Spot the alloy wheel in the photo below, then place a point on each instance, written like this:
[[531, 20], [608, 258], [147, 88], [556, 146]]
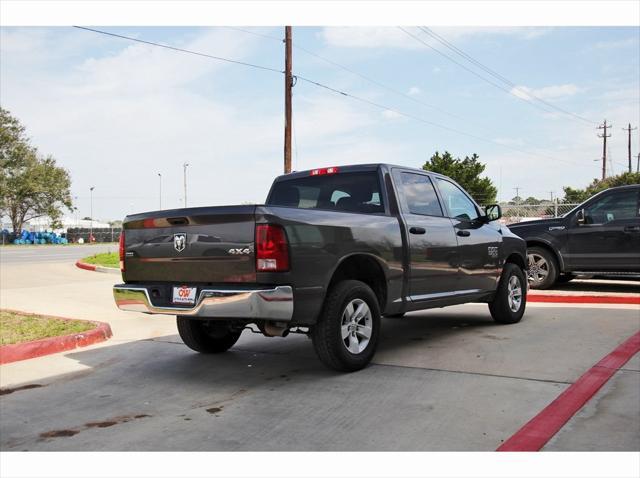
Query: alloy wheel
[[356, 326]]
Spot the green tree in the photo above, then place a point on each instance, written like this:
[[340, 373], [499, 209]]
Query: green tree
[[574, 196], [532, 201], [465, 172], [31, 185]]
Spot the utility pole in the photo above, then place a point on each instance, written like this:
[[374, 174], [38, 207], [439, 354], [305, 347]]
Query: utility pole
[[91, 213], [638, 164], [288, 83], [184, 167], [551, 192], [629, 129], [517, 188], [604, 136], [160, 180]]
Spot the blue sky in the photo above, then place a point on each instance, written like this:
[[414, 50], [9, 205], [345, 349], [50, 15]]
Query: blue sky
[[115, 113]]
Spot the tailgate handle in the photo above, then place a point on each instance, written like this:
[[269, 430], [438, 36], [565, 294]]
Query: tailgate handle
[[177, 221]]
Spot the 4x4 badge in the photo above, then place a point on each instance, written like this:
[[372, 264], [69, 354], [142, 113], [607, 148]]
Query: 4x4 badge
[[179, 241]]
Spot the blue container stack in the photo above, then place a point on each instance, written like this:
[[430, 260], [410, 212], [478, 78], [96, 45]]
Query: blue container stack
[[26, 237]]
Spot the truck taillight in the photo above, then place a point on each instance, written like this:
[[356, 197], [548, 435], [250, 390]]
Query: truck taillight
[[272, 249], [323, 171], [121, 250]]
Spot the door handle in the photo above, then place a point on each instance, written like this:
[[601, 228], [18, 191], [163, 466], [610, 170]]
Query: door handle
[[463, 233], [632, 229], [417, 230]]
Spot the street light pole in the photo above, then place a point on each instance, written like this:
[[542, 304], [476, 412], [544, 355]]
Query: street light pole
[[91, 213], [184, 166], [160, 179]]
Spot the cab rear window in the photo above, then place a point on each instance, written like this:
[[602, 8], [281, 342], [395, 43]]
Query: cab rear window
[[348, 192]]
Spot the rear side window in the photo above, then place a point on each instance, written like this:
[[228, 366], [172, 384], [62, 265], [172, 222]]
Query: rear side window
[[420, 195], [350, 192]]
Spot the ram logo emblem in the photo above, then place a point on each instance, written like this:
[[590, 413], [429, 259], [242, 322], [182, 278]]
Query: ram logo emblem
[[179, 241]]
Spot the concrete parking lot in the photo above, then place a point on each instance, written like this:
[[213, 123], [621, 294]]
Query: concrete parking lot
[[447, 379]]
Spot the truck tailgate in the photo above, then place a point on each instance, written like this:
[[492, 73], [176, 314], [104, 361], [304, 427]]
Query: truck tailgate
[[195, 245]]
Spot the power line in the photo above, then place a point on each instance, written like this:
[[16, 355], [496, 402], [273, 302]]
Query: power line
[[497, 75], [364, 77], [422, 120], [475, 73], [182, 50], [329, 88]]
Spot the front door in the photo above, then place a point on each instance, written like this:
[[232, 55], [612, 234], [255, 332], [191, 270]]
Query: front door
[[479, 242], [609, 237], [433, 249]]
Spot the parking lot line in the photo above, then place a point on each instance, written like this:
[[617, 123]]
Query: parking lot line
[[541, 428]]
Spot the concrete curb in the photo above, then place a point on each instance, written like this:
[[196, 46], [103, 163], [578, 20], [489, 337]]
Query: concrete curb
[[584, 299], [95, 268], [50, 345]]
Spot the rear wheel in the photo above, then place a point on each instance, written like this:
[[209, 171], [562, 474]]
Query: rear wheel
[[509, 303], [207, 336], [346, 335], [542, 268]]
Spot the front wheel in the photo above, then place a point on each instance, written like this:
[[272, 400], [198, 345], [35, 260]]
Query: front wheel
[[510, 300], [207, 336], [542, 268], [346, 335]]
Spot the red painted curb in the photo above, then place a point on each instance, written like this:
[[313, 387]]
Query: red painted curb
[[84, 265], [584, 299], [37, 348], [541, 428]]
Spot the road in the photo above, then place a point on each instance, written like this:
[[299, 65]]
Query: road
[[447, 379], [51, 253]]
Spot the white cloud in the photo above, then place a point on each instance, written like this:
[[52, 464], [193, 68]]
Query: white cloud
[[414, 91], [390, 114], [613, 44], [369, 37], [552, 92]]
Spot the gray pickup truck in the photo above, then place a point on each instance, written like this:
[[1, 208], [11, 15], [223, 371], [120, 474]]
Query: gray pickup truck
[[330, 252]]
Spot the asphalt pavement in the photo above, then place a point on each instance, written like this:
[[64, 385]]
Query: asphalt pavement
[[445, 379], [51, 253]]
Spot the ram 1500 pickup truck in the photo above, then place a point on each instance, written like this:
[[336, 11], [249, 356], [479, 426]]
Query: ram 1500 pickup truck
[[330, 252]]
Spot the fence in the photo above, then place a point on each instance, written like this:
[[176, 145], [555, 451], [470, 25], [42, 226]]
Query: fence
[[102, 234], [521, 212]]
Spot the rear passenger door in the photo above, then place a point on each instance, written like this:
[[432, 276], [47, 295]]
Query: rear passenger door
[[433, 268], [478, 242]]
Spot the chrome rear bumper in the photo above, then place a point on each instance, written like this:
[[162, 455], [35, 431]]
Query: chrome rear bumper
[[266, 304]]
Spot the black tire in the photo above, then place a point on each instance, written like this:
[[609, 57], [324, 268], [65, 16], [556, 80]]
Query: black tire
[[207, 336], [327, 333], [501, 307], [564, 278], [546, 261]]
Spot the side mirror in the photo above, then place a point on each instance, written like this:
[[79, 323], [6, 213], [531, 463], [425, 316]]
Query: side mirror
[[580, 217], [493, 212]]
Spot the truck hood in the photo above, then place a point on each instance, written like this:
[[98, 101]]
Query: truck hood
[[555, 221]]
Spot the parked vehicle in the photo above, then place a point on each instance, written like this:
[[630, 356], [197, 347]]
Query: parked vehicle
[[599, 237], [331, 251]]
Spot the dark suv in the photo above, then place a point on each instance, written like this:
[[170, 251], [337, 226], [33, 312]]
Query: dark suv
[[599, 237]]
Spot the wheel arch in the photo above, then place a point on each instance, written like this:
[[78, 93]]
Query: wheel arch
[[366, 268], [545, 245], [517, 259]]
